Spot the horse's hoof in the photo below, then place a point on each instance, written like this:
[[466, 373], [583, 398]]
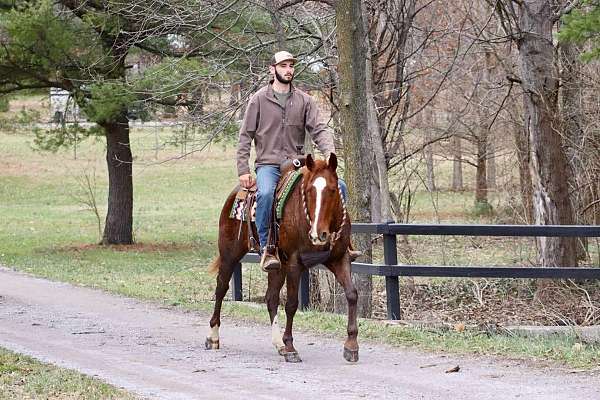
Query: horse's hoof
[[292, 357], [350, 355], [211, 344], [281, 350]]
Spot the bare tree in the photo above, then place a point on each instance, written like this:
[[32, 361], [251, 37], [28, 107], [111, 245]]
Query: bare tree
[[351, 38], [457, 175], [573, 126], [531, 25]]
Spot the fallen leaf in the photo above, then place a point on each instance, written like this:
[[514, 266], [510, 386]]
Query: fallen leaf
[[454, 369]]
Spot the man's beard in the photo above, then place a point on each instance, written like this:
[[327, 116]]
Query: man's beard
[[282, 79]]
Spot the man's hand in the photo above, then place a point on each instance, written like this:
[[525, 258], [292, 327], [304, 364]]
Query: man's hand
[[247, 181]]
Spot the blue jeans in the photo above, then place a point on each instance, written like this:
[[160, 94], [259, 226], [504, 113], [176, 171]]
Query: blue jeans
[[267, 177]]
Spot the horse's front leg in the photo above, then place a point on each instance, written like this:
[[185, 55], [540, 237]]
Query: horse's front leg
[[275, 282], [341, 270], [291, 306], [225, 270]]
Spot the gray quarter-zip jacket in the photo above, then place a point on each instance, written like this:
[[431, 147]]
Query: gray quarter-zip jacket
[[278, 133]]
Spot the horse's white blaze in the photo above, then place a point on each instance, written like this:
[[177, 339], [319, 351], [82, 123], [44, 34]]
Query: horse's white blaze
[[319, 185], [214, 333], [276, 337]]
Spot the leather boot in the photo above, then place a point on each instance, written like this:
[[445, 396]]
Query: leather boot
[[269, 260]]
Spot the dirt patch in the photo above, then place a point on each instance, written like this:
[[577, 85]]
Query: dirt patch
[[12, 168], [133, 248], [33, 167]]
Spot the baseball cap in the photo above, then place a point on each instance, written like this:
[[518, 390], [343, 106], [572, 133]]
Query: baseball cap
[[281, 56]]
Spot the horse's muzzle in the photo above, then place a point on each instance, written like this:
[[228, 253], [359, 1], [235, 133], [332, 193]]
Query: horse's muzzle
[[321, 239]]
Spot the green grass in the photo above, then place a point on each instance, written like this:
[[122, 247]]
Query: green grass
[[44, 230], [22, 377]]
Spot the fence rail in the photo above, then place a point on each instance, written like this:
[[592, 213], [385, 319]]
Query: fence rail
[[391, 270]]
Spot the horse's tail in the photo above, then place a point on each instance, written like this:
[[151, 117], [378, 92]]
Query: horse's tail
[[214, 266]]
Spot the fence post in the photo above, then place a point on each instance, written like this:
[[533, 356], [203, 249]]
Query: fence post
[[236, 282], [392, 287], [304, 290]]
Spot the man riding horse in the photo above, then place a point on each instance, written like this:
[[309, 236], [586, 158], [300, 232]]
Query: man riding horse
[[313, 224], [276, 119]]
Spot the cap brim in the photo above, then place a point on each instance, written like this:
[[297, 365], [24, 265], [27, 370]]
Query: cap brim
[[287, 59]]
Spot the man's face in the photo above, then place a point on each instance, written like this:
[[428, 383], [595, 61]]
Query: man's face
[[284, 71]]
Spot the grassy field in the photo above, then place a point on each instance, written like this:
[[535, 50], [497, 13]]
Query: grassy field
[[22, 377], [46, 230]]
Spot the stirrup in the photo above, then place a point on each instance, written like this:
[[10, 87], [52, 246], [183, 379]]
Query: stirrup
[[269, 262]]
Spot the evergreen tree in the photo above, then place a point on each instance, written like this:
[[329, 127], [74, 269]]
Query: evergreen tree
[[583, 25], [86, 48]]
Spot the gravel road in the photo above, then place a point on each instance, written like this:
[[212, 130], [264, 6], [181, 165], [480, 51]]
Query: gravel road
[[159, 353]]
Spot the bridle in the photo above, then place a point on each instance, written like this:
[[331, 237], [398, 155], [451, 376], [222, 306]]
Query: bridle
[[337, 234]]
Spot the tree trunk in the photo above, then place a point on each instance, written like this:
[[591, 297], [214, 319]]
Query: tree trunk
[[235, 96], [481, 176], [379, 186], [118, 228], [573, 125], [351, 38], [428, 151], [549, 165], [490, 159], [481, 140], [380, 202], [491, 162], [457, 175], [522, 151]]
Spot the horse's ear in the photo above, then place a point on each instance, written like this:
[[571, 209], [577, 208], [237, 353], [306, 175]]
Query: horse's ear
[[310, 163], [332, 162]]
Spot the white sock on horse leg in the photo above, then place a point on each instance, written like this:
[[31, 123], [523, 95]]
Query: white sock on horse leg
[[214, 333], [276, 337]]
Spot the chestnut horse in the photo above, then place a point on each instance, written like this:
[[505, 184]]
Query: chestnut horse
[[314, 222]]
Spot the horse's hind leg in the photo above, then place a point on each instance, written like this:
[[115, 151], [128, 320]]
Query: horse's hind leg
[[275, 282], [225, 268], [341, 270], [291, 306]]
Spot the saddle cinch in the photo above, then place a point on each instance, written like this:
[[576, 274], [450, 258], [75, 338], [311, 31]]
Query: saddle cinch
[[244, 205]]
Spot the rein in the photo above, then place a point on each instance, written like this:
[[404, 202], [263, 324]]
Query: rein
[[336, 235]]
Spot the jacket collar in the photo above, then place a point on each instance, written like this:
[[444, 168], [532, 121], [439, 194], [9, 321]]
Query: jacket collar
[[271, 92]]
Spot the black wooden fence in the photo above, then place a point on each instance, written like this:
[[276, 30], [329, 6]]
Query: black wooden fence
[[392, 270]]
